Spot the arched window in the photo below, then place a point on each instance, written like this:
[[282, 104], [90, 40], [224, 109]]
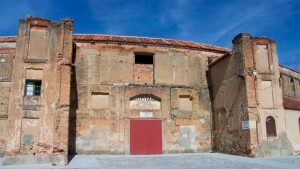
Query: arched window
[[271, 127]]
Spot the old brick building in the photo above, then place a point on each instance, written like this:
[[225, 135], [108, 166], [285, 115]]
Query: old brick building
[[65, 93]]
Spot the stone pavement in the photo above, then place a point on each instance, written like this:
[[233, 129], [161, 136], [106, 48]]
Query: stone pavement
[[172, 161]]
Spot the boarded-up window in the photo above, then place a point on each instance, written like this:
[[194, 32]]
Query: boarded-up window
[[185, 103], [266, 94], [262, 58], [271, 127], [100, 100], [30, 131]]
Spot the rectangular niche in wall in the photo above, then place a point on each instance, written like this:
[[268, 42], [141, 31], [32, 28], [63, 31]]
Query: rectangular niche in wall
[[185, 103], [30, 131], [38, 44], [266, 94], [100, 100], [143, 68], [262, 58]]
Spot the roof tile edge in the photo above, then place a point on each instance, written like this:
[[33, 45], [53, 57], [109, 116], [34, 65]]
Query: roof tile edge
[[136, 40], [147, 41], [8, 39], [289, 68]]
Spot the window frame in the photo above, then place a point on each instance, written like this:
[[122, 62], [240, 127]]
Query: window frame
[[37, 87]]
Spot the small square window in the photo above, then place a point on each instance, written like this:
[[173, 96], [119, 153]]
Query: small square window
[[33, 87]]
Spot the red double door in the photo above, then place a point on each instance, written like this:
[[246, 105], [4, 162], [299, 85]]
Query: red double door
[[145, 137]]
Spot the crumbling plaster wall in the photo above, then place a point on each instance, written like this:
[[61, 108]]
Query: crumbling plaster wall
[[229, 102], [293, 128], [37, 126], [290, 84], [269, 100], [260, 97], [7, 54], [110, 68], [263, 94]]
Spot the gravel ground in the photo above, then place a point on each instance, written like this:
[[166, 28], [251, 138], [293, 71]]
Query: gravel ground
[[172, 161]]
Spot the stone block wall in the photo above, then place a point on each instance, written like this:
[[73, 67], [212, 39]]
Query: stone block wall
[[110, 69], [227, 82]]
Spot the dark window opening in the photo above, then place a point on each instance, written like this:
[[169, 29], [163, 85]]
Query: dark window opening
[[280, 80], [143, 59], [33, 87], [299, 124], [271, 127], [292, 86]]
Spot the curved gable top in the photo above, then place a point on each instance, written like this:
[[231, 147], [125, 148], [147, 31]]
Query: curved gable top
[[131, 40]]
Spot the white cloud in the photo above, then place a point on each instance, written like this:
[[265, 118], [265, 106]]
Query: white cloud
[[250, 18]]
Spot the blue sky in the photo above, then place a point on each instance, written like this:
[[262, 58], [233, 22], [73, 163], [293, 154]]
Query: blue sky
[[205, 21]]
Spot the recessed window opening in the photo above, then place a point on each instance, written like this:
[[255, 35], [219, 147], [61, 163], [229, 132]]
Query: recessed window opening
[[292, 86], [280, 80], [185, 103], [100, 100], [143, 59], [271, 127], [33, 87]]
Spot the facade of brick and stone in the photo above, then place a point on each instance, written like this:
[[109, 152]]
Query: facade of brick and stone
[[249, 89], [88, 89]]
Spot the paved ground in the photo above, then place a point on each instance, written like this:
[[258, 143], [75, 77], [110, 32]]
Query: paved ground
[[176, 161]]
